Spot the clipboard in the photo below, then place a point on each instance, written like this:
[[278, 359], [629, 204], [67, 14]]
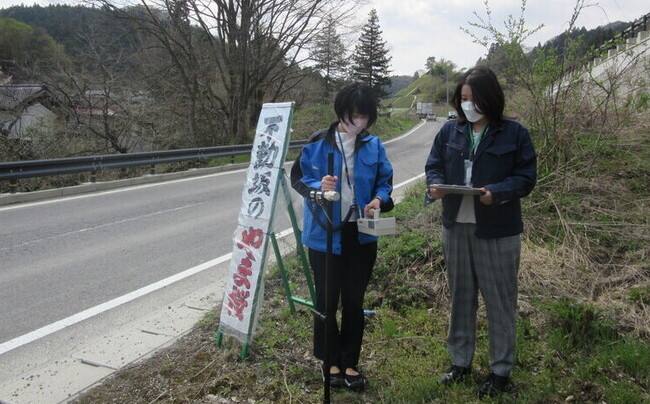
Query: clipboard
[[457, 189]]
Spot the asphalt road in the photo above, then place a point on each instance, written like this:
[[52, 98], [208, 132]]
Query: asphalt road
[[60, 257]]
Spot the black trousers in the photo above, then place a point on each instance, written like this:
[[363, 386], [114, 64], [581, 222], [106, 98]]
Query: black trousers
[[348, 281]]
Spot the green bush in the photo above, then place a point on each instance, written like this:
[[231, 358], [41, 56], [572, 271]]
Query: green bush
[[623, 393], [631, 356], [578, 325], [407, 248], [640, 295]]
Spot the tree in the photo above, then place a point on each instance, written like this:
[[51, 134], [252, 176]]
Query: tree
[[328, 53], [440, 68], [234, 54], [101, 100], [371, 59], [26, 51], [497, 60], [445, 76]]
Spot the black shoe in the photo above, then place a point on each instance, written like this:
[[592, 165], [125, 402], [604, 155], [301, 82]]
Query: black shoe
[[493, 385], [455, 374], [336, 379], [356, 383]]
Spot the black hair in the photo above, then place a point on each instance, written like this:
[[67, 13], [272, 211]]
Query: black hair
[[356, 98], [487, 93]]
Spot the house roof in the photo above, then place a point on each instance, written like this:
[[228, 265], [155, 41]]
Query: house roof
[[11, 96]]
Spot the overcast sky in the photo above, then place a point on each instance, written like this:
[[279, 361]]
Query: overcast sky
[[417, 29]]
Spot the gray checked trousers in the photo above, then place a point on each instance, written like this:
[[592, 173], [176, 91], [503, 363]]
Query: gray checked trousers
[[489, 266]]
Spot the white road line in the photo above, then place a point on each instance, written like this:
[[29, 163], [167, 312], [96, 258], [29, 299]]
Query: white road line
[[418, 126], [111, 304], [115, 191], [410, 180]]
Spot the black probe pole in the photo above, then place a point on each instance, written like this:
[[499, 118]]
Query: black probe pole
[[328, 262]]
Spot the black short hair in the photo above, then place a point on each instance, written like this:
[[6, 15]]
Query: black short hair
[[356, 98], [486, 93]]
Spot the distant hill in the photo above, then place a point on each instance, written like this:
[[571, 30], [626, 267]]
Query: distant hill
[[588, 39], [422, 88], [592, 38], [70, 25], [398, 83]]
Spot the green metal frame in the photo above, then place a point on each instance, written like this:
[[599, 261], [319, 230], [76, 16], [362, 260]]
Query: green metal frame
[[291, 299]]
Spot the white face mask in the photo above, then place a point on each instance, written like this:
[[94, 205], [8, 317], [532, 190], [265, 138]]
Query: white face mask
[[355, 127], [470, 111]]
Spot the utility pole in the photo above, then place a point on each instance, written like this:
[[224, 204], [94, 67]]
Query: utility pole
[[447, 84]]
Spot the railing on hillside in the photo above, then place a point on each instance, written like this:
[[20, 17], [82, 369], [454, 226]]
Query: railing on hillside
[[633, 35], [16, 170], [640, 24], [629, 33]]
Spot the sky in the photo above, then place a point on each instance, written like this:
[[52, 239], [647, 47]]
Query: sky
[[417, 29]]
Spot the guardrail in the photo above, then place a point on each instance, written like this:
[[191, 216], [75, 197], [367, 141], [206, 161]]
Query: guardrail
[[621, 39], [16, 170]]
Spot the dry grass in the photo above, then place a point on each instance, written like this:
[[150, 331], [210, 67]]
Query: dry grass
[[589, 228]]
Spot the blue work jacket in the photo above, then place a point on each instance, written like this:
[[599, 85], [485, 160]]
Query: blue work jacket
[[373, 177]]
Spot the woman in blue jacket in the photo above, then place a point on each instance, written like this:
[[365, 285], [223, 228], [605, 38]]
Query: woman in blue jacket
[[481, 233], [363, 177]]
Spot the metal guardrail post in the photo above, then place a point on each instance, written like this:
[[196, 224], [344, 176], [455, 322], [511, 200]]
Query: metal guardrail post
[[13, 185], [93, 176]]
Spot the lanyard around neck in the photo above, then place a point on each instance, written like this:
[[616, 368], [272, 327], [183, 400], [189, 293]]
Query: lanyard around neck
[[470, 138], [345, 161], [353, 206]]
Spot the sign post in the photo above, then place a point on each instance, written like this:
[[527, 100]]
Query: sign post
[[245, 288]]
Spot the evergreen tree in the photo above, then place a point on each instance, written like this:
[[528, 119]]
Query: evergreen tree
[[371, 59], [440, 68], [329, 54]]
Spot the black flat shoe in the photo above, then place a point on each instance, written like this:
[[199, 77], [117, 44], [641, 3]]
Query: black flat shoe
[[357, 382], [493, 386], [455, 374], [336, 379]]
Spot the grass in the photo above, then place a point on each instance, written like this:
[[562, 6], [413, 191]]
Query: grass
[[424, 89], [566, 350], [640, 295], [578, 326], [582, 330], [589, 225]]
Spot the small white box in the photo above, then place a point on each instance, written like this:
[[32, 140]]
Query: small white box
[[377, 226]]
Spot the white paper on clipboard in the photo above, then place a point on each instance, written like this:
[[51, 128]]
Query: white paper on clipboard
[[457, 189]]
